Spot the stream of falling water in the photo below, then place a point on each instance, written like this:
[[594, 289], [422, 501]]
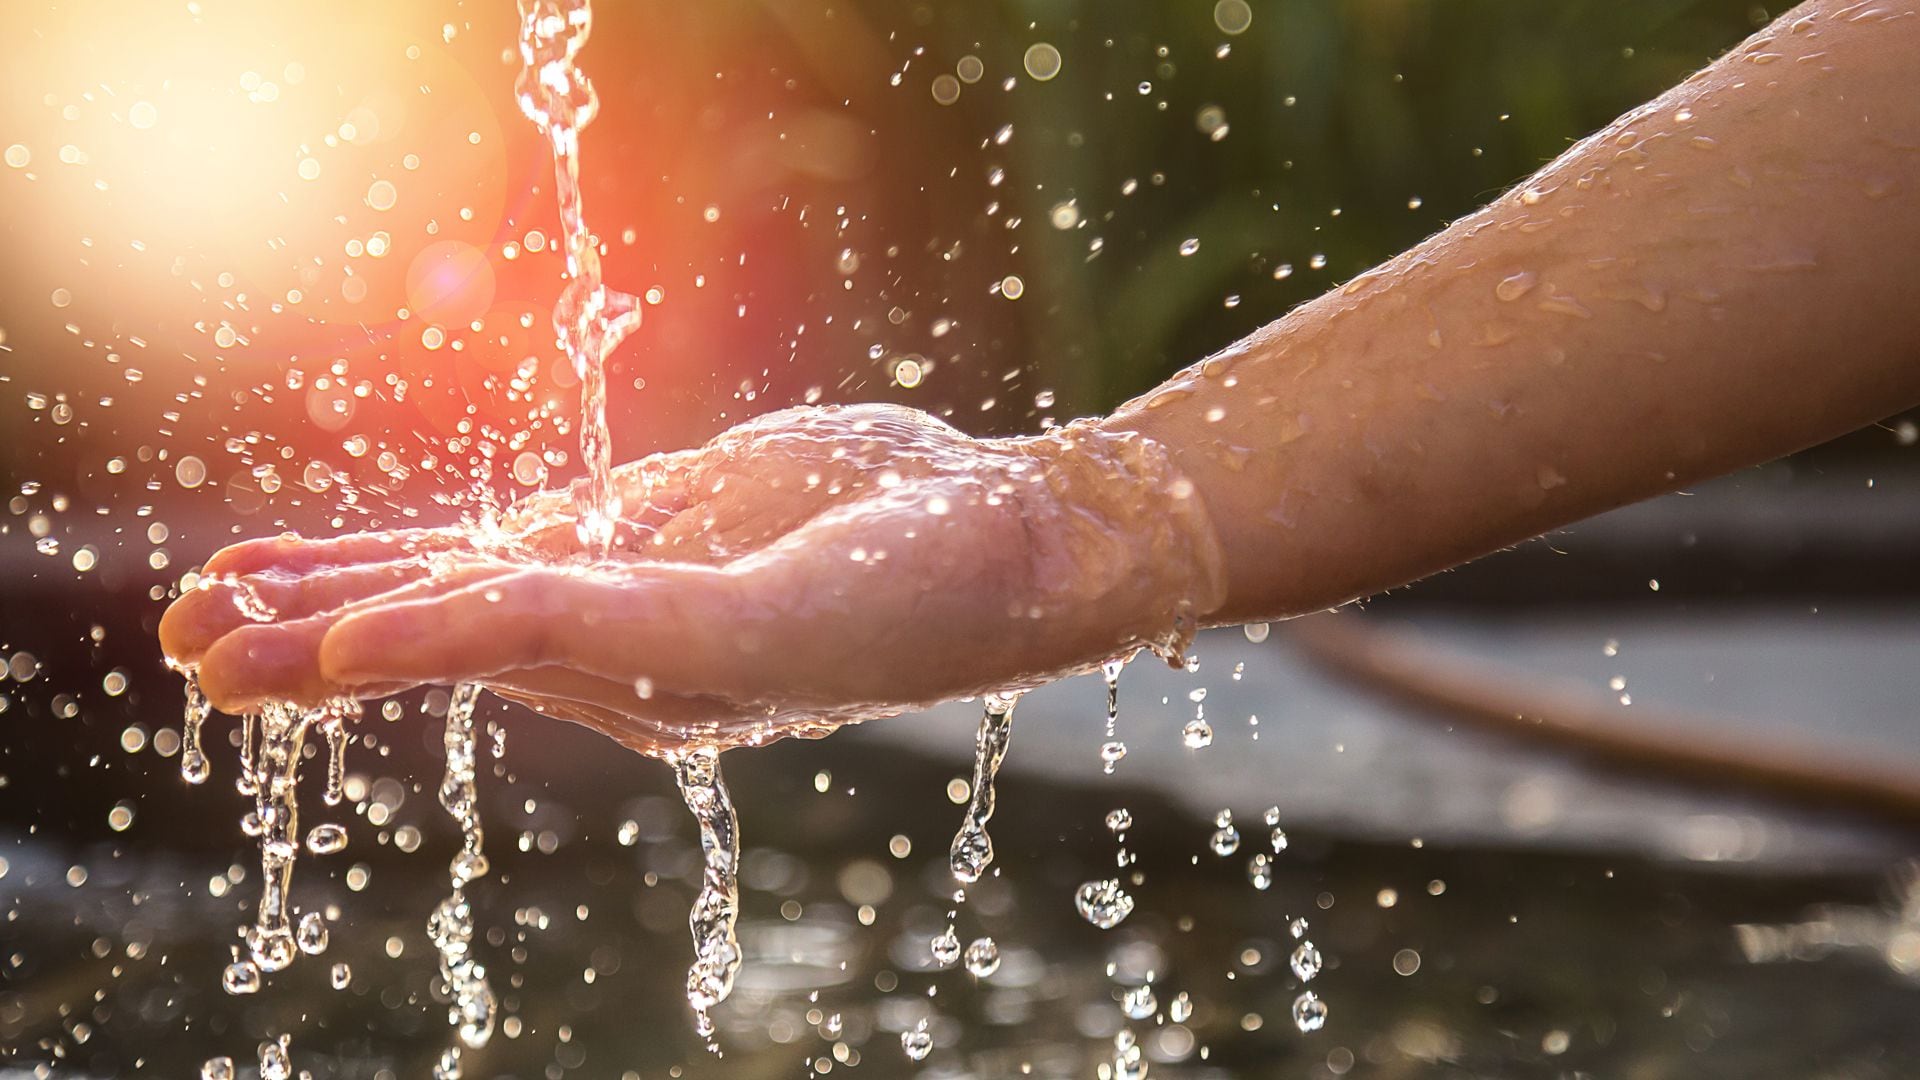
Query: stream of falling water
[[716, 951], [471, 1004], [589, 319], [972, 850]]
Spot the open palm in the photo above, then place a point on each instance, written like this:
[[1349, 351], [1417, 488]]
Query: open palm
[[807, 569]]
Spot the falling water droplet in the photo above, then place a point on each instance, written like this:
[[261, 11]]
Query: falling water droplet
[[1309, 1012], [1305, 961], [1198, 734], [1103, 903], [946, 947], [983, 957], [917, 1043], [1138, 1002]]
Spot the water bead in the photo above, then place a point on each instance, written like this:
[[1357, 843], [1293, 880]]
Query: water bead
[[1309, 1012], [1103, 903], [946, 947], [241, 977], [311, 934], [1120, 820], [1260, 871], [917, 1043], [1305, 961], [982, 957], [1180, 1008], [217, 1068], [1138, 1002], [1198, 734], [341, 975], [326, 839]]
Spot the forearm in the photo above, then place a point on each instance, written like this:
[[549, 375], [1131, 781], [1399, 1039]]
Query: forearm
[[1718, 278]]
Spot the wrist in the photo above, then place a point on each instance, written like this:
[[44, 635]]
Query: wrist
[[1133, 550]]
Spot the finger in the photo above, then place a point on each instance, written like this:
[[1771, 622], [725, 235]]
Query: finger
[[263, 662], [289, 553], [218, 606], [683, 626]]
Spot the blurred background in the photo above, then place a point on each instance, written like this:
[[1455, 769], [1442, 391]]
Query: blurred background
[[291, 266]]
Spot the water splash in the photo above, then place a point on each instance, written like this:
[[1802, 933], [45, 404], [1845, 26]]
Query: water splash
[[471, 1004], [716, 951], [972, 850], [590, 320]]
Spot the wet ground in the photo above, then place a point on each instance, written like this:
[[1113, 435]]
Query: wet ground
[[1485, 907]]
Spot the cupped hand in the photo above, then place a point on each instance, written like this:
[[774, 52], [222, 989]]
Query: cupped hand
[[807, 569]]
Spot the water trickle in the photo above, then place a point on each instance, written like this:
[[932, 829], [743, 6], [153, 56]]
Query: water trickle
[[470, 1001], [275, 821], [193, 759], [1103, 903], [1113, 750], [716, 951], [972, 850], [589, 319]]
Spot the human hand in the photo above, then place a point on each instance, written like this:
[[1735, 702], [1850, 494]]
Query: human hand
[[807, 569]]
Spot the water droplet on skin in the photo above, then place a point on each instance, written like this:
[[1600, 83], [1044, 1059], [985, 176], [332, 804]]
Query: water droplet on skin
[[1256, 632], [1305, 961], [982, 957], [1515, 287], [1138, 1002], [946, 947], [1309, 1012], [1103, 903], [917, 1043]]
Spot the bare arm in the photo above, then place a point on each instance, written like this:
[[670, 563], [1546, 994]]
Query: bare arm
[[1723, 276]]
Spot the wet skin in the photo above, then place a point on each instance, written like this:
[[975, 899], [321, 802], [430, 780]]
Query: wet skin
[[1718, 278]]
